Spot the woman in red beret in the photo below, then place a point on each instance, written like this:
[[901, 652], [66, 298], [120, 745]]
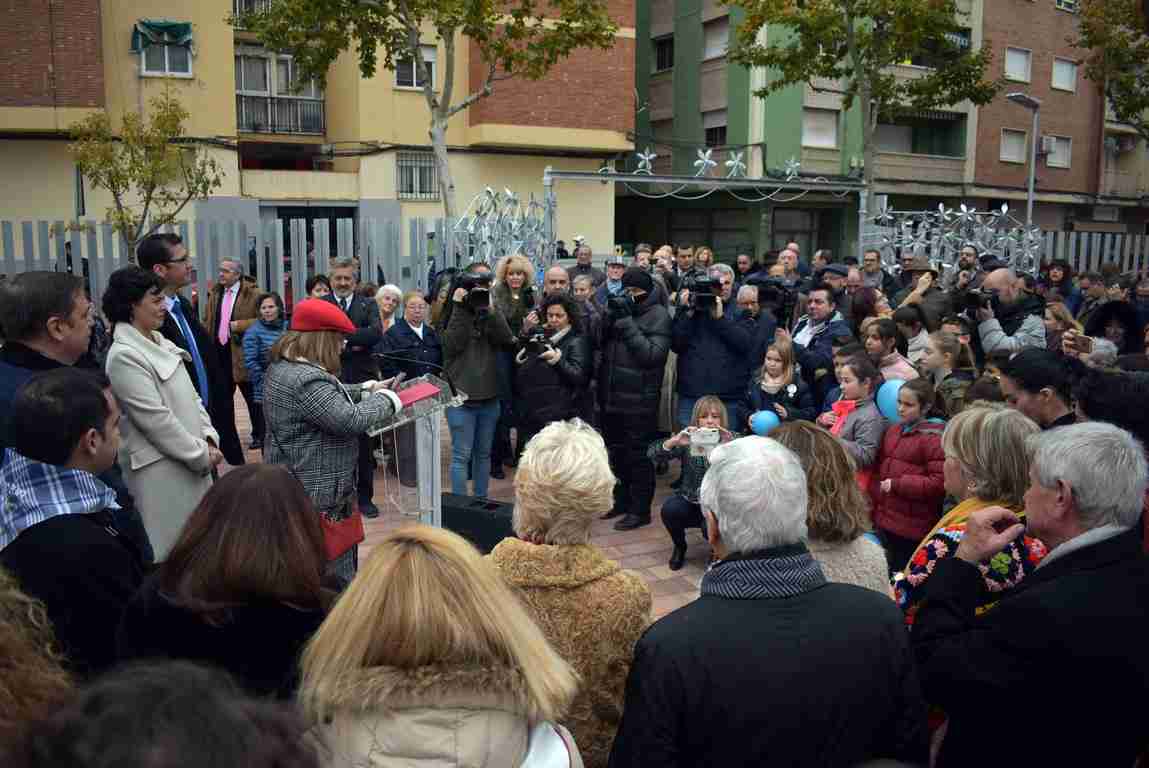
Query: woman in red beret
[[314, 422]]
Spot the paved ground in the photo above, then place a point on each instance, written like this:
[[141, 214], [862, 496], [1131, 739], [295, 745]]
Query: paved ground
[[645, 551]]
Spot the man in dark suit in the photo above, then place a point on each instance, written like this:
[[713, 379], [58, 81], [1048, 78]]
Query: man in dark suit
[[167, 256], [1070, 645], [358, 363]]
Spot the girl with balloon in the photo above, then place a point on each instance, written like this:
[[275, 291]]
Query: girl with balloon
[[692, 446], [778, 390]]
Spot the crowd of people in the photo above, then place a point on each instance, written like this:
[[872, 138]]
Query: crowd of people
[[918, 494]]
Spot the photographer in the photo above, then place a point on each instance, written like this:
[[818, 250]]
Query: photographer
[[474, 331], [554, 369], [813, 334], [1007, 317], [713, 350], [636, 341]]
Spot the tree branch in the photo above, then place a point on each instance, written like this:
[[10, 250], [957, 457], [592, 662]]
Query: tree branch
[[479, 94]]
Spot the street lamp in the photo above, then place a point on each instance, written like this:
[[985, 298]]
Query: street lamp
[[1031, 103]]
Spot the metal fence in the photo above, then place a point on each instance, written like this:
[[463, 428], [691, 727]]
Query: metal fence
[[1087, 251], [280, 255]]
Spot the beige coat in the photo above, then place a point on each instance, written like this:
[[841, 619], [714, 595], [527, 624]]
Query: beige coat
[[861, 562], [244, 313], [164, 453], [593, 613], [433, 717]]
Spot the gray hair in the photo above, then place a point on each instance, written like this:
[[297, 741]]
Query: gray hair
[[1102, 464], [238, 264], [749, 290], [756, 490], [345, 263], [724, 270], [1104, 354], [395, 291]]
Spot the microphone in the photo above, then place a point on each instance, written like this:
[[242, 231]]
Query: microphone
[[393, 356]]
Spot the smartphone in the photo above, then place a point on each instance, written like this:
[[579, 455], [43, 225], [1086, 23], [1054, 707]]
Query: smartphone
[[397, 380], [1083, 343]]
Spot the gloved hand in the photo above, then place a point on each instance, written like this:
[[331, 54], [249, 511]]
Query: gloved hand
[[619, 307]]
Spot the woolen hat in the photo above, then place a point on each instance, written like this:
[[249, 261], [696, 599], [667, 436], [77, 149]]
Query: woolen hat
[[637, 277], [320, 315]]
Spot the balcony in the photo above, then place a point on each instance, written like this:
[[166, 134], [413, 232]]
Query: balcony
[[301, 185], [1117, 183], [240, 7], [280, 114], [927, 169]]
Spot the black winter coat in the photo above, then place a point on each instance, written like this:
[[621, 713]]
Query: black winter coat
[[634, 351], [358, 363], [824, 678], [410, 354], [549, 393], [1070, 645], [84, 572], [259, 645], [713, 354], [799, 405]]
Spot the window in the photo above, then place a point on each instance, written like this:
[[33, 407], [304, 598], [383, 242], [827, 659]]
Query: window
[[1060, 153], [1064, 75], [663, 53], [714, 124], [167, 60], [407, 74], [820, 128], [251, 75], [716, 37], [1065, 5], [415, 176], [1017, 62], [895, 138], [1012, 146]]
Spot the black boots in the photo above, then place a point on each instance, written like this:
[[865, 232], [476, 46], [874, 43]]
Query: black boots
[[630, 522], [677, 557]]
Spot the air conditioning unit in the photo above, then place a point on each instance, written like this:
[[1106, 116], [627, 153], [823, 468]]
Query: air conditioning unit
[[1106, 213], [1048, 144]]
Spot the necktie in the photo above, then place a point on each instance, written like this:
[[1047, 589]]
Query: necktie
[[177, 311], [347, 305], [225, 316]]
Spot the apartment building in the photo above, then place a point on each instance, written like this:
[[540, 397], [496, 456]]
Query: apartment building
[[1093, 173], [356, 148]]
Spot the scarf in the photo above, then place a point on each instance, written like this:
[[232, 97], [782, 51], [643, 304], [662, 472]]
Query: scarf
[[613, 287], [34, 492], [771, 573]]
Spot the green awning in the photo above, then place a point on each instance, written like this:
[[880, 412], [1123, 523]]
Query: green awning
[[160, 32]]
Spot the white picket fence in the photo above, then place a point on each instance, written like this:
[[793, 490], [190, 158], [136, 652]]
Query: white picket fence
[[276, 253], [1087, 251]]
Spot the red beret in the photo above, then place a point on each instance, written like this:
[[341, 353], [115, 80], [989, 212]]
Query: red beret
[[320, 315]]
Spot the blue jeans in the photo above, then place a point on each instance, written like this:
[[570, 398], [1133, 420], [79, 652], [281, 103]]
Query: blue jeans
[[472, 432], [733, 413]]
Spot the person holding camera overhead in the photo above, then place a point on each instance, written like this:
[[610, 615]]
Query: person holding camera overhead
[[514, 295], [553, 369], [473, 332], [1007, 317], [712, 349], [635, 343]]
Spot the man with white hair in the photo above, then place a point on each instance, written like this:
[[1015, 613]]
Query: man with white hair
[[772, 665], [1014, 320], [1068, 646]]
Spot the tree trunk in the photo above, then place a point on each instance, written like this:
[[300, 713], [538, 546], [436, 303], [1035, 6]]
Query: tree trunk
[[438, 133]]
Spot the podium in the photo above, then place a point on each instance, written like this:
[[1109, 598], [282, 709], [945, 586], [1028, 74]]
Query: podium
[[424, 399]]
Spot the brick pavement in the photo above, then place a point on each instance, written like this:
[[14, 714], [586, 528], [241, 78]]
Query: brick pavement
[[645, 551]]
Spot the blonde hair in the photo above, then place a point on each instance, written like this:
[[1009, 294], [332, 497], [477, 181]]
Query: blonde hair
[[988, 440], [562, 484], [786, 352], [413, 295], [324, 348], [1063, 316], [515, 262], [949, 344], [707, 404], [709, 253], [425, 597], [836, 510]]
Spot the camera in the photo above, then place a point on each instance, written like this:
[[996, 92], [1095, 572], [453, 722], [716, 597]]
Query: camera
[[536, 343], [975, 300], [703, 440], [478, 288], [776, 294], [703, 291]]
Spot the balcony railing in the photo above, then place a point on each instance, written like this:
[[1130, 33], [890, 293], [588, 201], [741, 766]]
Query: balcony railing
[[280, 114], [240, 7], [1123, 183]]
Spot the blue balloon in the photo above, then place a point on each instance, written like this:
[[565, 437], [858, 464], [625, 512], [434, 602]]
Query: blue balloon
[[764, 422], [887, 399]]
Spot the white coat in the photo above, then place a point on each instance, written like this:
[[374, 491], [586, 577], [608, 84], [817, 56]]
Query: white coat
[[165, 432]]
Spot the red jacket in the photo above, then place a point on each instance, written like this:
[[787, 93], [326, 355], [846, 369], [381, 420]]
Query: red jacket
[[913, 459]]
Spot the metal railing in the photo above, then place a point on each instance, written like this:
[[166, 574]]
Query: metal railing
[[280, 114], [240, 7]]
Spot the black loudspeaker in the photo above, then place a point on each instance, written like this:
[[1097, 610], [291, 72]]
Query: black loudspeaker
[[480, 521]]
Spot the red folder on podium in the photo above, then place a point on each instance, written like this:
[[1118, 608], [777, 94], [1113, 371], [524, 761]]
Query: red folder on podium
[[417, 392]]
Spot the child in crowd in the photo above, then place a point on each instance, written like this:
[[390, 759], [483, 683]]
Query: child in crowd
[[682, 511], [911, 323], [910, 484], [776, 387], [855, 419], [842, 354], [946, 363], [881, 340]]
